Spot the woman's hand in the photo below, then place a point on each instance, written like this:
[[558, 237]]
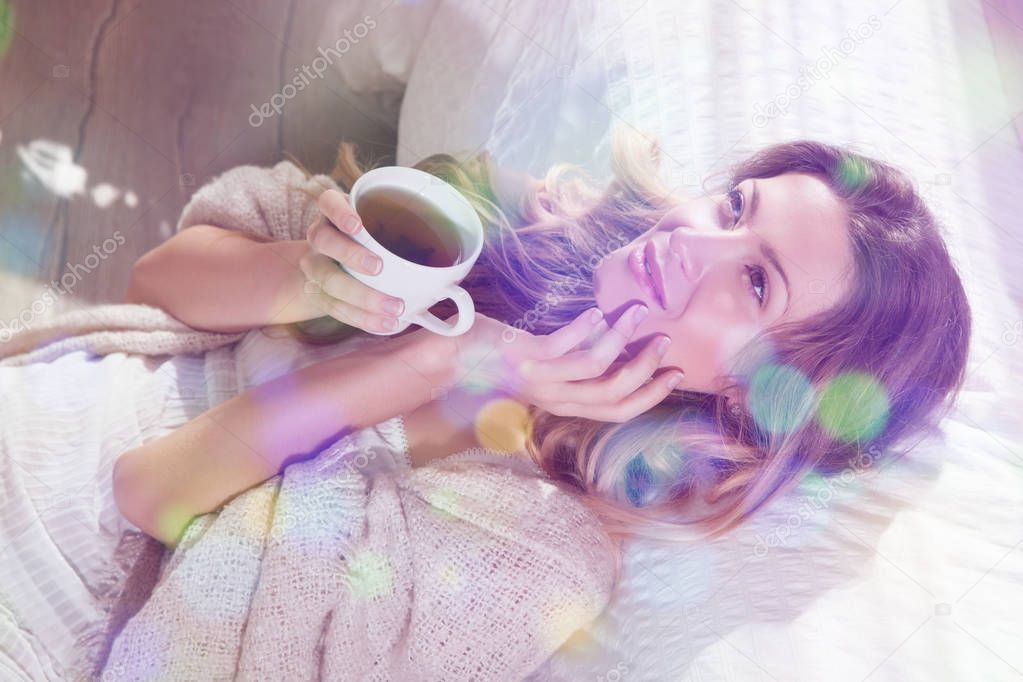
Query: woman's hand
[[336, 292], [566, 372]]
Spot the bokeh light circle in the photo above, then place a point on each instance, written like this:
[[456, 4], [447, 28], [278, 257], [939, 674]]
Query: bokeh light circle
[[172, 520], [853, 407], [6, 26], [451, 576], [639, 481], [369, 575], [445, 502], [503, 425], [780, 398], [566, 616], [852, 173]]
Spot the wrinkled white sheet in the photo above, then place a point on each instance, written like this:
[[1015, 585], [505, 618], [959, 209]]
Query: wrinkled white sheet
[[914, 574]]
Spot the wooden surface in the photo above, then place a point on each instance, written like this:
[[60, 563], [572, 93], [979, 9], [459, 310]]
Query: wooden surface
[[152, 98]]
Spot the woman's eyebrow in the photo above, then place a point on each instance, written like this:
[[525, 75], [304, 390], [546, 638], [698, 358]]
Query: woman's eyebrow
[[768, 251]]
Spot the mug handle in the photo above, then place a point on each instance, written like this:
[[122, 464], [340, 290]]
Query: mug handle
[[466, 314]]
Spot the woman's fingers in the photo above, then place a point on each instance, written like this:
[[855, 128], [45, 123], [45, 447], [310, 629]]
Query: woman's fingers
[[334, 205], [590, 362], [336, 292], [327, 239], [338, 284], [615, 386], [560, 341], [635, 404], [353, 315]]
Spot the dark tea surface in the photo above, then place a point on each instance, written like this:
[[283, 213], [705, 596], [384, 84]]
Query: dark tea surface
[[410, 228]]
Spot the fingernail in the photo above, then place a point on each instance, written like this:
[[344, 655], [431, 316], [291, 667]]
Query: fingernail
[[371, 264], [390, 324], [675, 378], [595, 315], [351, 224], [640, 313], [662, 345], [393, 306]]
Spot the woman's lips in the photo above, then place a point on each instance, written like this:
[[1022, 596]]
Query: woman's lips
[[636, 257], [656, 272]]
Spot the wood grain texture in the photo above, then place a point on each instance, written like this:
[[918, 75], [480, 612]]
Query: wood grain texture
[[152, 98]]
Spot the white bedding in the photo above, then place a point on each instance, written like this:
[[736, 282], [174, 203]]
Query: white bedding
[[913, 574]]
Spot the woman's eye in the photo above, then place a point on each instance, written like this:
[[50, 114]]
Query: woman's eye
[[758, 280], [736, 202]]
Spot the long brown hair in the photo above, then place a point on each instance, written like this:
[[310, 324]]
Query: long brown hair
[[820, 394]]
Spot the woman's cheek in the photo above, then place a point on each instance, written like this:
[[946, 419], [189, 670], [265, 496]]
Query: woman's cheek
[[693, 350], [704, 347]]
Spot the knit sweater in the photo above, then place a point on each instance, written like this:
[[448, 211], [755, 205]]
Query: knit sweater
[[469, 568]]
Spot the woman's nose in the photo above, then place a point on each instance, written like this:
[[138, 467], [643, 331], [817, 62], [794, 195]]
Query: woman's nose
[[700, 250]]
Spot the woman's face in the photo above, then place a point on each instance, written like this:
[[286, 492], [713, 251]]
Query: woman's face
[[772, 250]]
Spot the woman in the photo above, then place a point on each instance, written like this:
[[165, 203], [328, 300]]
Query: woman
[[812, 307], [855, 346]]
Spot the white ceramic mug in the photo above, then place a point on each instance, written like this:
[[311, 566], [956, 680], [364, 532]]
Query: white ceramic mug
[[421, 286]]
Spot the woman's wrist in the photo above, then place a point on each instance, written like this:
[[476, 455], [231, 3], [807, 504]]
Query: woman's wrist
[[433, 360], [255, 434], [290, 302], [432, 356]]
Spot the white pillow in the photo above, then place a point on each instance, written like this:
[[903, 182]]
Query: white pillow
[[502, 74], [536, 83], [372, 45]]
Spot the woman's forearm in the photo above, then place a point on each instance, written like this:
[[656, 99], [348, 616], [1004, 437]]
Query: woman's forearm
[[222, 280], [251, 437]]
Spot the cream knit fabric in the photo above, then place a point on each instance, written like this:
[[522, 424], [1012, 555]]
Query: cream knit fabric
[[127, 327], [462, 570]]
